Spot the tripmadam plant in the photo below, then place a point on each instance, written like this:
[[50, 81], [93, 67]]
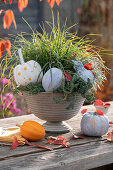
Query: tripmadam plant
[[60, 62]]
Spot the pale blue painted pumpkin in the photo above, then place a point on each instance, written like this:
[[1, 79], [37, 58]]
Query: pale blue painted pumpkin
[[52, 79], [94, 125]]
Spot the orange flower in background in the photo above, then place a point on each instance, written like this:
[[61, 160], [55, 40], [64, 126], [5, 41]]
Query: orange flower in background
[[4, 1], [79, 10], [8, 19], [2, 48], [22, 4], [58, 1], [5, 44], [1, 11], [7, 47], [10, 1], [52, 2]]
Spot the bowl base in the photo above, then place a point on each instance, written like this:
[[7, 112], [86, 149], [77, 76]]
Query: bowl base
[[57, 127]]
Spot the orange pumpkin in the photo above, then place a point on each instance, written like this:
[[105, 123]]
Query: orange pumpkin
[[32, 130]]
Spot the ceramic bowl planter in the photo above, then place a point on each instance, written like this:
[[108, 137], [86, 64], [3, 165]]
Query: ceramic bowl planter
[[45, 108]]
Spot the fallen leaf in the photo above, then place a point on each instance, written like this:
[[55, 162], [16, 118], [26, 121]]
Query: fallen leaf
[[58, 141], [43, 147], [78, 137], [110, 123], [66, 144], [61, 137], [39, 146], [14, 143], [51, 138], [107, 104], [84, 111], [99, 112], [98, 102], [110, 137]]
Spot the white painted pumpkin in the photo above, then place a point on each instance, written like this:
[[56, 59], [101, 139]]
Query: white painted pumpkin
[[27, 72], [54, 83], [94, 125]]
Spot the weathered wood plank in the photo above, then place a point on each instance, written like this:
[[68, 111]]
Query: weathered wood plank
[[77, 157], [26, 150], [5, 151]]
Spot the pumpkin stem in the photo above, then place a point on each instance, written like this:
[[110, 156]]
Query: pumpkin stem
[[95, 113], [21, 56]]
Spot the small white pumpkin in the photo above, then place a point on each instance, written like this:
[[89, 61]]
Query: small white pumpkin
[[27, 72], [52, 79], [93, 124]]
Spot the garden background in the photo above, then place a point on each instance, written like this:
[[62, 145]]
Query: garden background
[[91, 17]]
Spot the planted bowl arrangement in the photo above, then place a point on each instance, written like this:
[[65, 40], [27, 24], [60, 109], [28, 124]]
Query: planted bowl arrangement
[[56, 72]]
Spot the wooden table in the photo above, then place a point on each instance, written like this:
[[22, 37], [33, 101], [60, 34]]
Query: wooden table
[[87, 153]]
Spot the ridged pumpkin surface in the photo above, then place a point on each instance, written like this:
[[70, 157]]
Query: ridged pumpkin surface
[[32, 131], [94, 125]]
